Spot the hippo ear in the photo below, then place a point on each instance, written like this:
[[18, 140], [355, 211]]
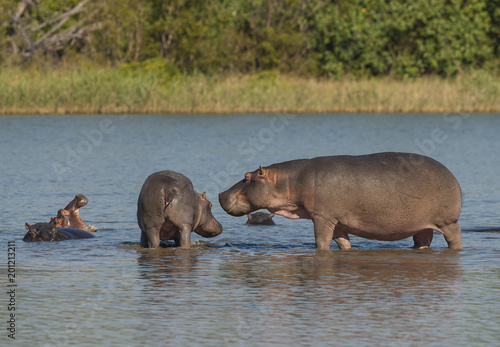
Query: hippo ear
[[250, 216], [248, 177], [57, 222], [204, 196], [32, 231], [61, 213], [261, 171]]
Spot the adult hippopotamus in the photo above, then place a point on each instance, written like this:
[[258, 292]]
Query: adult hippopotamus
[[260, 218], [169, 209], [50, 232], [67, 225], [383, 196], [70, 215]]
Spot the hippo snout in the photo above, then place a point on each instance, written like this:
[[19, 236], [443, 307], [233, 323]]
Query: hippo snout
[[229, 203], [81, 200], [218, 228], [223, 200], [213, 229]]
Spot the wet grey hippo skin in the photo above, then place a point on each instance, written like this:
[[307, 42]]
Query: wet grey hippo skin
[[50, 232], [169, 209], [67, 225], [383, 196], [260, 218]]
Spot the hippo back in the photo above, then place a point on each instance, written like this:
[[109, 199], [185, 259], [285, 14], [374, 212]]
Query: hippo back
[[72, 233]]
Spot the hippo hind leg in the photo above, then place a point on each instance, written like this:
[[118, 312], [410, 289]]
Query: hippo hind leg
[[452, 235], [341, 238], [423, 239], [144, 240], [150, 238]]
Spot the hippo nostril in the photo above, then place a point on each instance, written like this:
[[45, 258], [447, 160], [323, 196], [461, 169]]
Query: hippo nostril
[[82, 202]]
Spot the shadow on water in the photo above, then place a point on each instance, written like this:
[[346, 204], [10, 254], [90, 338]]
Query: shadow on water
[[241, 245]]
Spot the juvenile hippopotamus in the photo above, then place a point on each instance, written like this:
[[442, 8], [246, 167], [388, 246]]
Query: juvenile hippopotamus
[[50, 232], [169, 209], [260, 218], [383, 196], [67, 225]]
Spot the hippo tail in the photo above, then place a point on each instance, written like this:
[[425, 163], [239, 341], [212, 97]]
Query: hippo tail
[[168, 196]]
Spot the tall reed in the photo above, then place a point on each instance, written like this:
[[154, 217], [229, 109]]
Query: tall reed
[[112, 90]]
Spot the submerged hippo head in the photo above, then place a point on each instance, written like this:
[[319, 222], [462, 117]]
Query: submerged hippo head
[[70, 216], [260, 218], [207, 225], [258, 190], [42, 232]]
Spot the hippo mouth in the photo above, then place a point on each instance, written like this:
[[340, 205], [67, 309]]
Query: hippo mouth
[[237, 209], [237, 214], [79, 224], [213, 229], [69, 217], [234, 206]]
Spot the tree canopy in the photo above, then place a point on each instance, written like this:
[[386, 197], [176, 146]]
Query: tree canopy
[[304, 37]]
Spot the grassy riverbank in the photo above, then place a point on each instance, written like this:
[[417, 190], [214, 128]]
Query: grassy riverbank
[[118, 90]]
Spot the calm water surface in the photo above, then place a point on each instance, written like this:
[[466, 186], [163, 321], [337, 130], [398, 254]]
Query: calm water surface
[[250, 286]]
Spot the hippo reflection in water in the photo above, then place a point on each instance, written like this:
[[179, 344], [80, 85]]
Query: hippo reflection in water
[[67, 225]]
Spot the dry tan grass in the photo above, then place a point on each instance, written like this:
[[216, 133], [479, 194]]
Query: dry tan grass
[[106, 90]]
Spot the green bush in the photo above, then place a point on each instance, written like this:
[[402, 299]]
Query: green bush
[[403, 38], [303, 37]]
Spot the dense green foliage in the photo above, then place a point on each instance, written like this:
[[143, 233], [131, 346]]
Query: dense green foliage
[[304, 37]]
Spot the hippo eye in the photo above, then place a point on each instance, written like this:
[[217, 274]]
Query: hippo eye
[[247, 179], [210, 206]]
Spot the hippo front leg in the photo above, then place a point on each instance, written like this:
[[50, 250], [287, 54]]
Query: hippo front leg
[[323, 232], [452, 235]]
